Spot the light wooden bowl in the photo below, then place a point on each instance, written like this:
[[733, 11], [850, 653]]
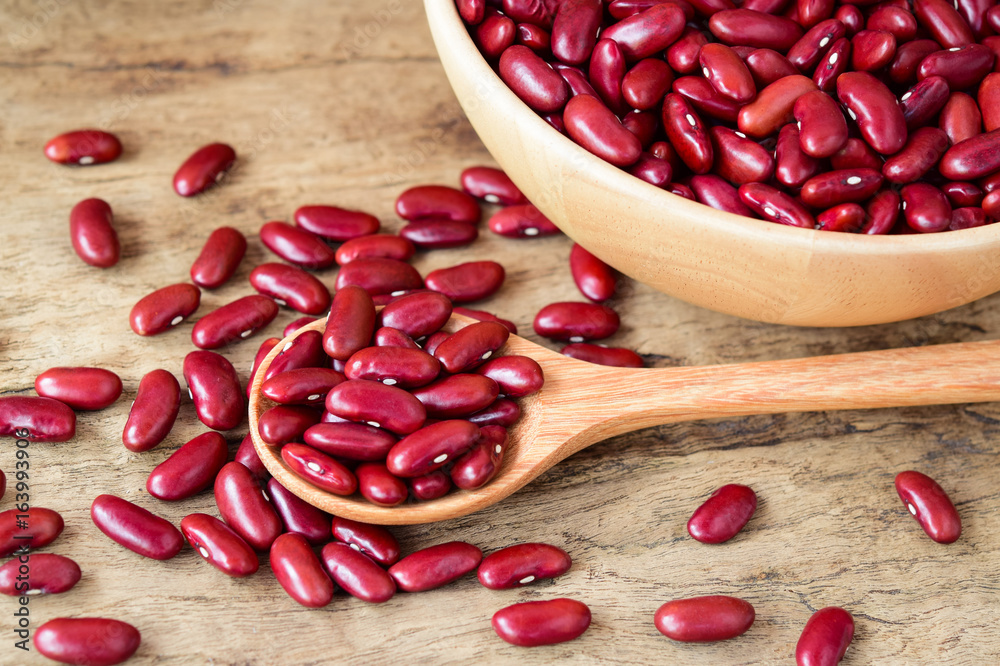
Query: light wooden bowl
[[724, 262]]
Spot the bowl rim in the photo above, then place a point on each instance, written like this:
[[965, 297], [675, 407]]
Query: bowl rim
[[451, 35]]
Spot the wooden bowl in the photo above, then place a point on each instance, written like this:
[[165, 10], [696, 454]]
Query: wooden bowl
[[724, 262]]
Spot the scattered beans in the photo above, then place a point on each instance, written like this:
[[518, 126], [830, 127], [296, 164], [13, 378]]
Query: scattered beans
[[373, 540], [41, 527], [467, 282], [190, 469], [534, 623], [245, 508], [84, 147], [491, 185], [48, 573], [576, 322], [219, 258], [94, 238], [36, 419], [206, 166], [930, 505], [336, 224], [723, 514], [704, 619], [825, 638], [80, 388], [297, 246], [164, 309], [299, 571], [136, 528], [435, 566], [93, 641], [613, 356], [437, 201], [219, 545], [358, 574], [215, 389], [516, 566], [298, 515]]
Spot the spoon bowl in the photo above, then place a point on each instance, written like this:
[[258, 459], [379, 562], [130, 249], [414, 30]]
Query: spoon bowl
[[582, 403]]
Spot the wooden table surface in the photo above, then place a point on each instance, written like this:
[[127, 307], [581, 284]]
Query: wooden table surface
[[346, 103]]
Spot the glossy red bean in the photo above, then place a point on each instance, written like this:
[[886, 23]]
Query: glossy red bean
[[304, 351], [727, 73], [576, 322], [358, 574], [379, 275], [219, 258], [851, 17], [991, 205], [94, 238], [646, 83], [825, 638], [247, 456], [477, 466], [417, 315], [494, 34], [467, 282], [925, 207], [431, 447], [83, 147], [37, 530], [881, 213], [219, 545], [648, 32], [385, 246], [533, 80], [739, 159], [521, 221], [244, 506], [350, 324], [36, 419], [491, 185], [391, 337], [430, 486], [822, 127], [203, 169], [944, 23], [578, 83], [135, 528], [470, 346], [300, 572], [297, 246], [606, 73], [807, 52], [834, 63], [909, 55], [80, 388], [930, 505], [534, 623], [682, 55], [164, 308], [534, 37], [613, 356], [875, 109], [291, 286], [713, 191], [287, 423], [480, 315], [975, 14], [687, 133], [393, 366], [93, 641], [516, 566], [215, 389], [379, 486], [757, 29], [767, 66], [457, 395], [988, 97], [896, 20], [792, 167], [437, 201], [471, 11], [723, 514], [972, 158], [922, 151], [594, 278], [963, 194], [299, 516], [922, 102], [435, 566], [856, 154], [872, 50], [190, 469], [336, 224], [595, 128], [773, 106], [436, 234], [960, 67], [353, 441], [378, 405], [502, 412], [704, 619], [529, 11], [517, 376], [307, 386], [848, 218], [38, 573], [234, 321], [776, 206], [840, 186], [374, 541]]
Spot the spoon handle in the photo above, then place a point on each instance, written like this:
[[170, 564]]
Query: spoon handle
[[633, 399]]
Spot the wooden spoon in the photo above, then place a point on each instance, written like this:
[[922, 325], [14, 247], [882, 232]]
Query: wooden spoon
[[582, 403]]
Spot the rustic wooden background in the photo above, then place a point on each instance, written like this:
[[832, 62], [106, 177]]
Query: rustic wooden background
[[346, 103]]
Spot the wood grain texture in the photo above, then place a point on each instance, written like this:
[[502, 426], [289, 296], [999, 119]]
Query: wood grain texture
[[320, 114]]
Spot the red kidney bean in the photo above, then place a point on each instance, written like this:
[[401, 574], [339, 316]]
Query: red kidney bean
[[40, 573], [136, 528], [436, 234], [992, 17], [336, 224], [773, 106], [908, 58], [738, 159], [653, 170], [377, 485], [960, 67], [234, 321], [834, 64], [533, 623], [378, 405], [374, 541], [606, 73], [988, 97], [825, 638], [576, 322], [393, 366], [472, 11], [245, 508], [516, 566], [430, 486], [595, 128], [291, 286], [594, 278], [164, 308], [83, 147], [574, 30], [578, 83], [757, 29], [776, 206], [922, 151], [851, 17], [391, 337], [431, 447], [875, 109], [378, 275], [384, 246], [93, 641], [966, 218], [153, 412], [972, 158], [963, 194], [80, 388], [247, 456], [350, 324], [533, 37], [219, 545], [219, 258], [922, 102], [469, 347], [713, 191], [215, 389], [974, 12], [643, 124], [687, 133], [190, 469], [297, 246], [39, 529], [727, 73], [533, 80], [521, 221], [204, 168], [354, 441], [613, 356], [287, 423], [307, 386], [94, 238], [704, 619], [494, 34], [477, 466], [300, 572], [881, 213], [358, 574], [930, 505], [417, 315], [36, 419], [944, 23], [767, 66], [925, 207], [437, 201], [646, 83], [682, 55], [648, 32], [848, 218], [807, 52], [517, 376], [792, 166], [856, 154], [723, 514], [529, 11], [841, 186], [872, 50], [822, 127], [491, 185], [467, 282], [479, 315], [305, 351], [435, 566], [896, 20], [299, 516], [991, 205], [457, 395], [502, 412]]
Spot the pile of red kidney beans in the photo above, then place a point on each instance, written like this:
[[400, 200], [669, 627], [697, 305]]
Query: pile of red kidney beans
[[388, 430], [858, 116]]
